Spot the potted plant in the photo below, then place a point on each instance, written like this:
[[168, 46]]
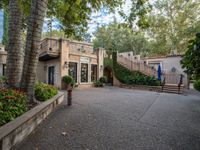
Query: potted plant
[[68, 81]]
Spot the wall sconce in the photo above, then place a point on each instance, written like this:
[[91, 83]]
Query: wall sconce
[[101, 67], [66, 64]]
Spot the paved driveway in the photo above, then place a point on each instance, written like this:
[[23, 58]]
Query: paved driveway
[[120, 119]]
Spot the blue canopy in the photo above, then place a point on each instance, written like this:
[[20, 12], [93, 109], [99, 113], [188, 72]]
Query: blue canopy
[[159, 72]]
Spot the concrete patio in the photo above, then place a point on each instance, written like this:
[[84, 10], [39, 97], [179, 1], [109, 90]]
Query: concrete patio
[[120, 119]]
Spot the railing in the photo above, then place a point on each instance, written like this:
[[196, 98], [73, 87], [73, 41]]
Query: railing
[[163, 83], [136, 66], [180, 83], [171, 78]]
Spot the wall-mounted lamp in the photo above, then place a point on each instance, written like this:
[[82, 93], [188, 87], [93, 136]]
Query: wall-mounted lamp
[[66, 64], [101, 67]]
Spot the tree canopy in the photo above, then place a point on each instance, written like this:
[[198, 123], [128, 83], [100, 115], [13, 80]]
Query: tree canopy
[[191, 59]]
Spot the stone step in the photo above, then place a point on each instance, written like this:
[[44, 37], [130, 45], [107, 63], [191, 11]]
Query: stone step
[[171, 91]]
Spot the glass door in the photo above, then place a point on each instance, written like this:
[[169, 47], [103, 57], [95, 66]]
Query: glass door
[[84, 72], [73, 70], [51, 73]]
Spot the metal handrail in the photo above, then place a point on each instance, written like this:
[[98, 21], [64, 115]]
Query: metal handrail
[[180, 83]]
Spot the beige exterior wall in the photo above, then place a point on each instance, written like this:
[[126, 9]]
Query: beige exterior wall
[[3, 56], [167, 63], [100, 62], [42, 71], [72, 51]]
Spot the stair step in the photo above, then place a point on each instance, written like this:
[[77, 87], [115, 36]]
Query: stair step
[[172, 88], [176, 92]]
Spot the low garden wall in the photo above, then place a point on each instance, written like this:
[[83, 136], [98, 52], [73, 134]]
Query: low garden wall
[[18, 129], [143, 87]]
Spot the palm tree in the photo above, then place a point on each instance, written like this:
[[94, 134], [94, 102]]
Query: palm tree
[[34, 32], [14, 47]]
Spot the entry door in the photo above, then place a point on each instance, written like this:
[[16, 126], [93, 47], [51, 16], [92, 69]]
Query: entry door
[[84, 72], [51, 75], [73, 70]]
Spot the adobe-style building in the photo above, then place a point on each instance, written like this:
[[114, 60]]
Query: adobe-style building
[[170, 65], [60, 57]]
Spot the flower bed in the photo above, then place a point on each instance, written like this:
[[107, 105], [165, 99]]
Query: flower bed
[[12, 105], [44, 91]]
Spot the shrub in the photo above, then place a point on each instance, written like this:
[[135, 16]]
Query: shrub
[[197, 85], [98, 84], [2, 81], [133, 78], [68, 80], [103, 79], [44, 91], [12, 105]]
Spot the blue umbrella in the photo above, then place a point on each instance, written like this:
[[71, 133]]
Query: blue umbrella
[[159, 72]]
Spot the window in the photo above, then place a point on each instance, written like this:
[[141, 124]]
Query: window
[[93, 73], [4, 69], [73, 70], [84, 72]]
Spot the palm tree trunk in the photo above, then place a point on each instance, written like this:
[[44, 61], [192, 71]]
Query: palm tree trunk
[[14, 47], [35, 24]]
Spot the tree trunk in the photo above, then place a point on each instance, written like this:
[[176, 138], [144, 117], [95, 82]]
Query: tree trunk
[[14, 47], [35, 24]]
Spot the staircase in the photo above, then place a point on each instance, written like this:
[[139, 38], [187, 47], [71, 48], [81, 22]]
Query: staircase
[[173, 88], [172, 83], [136, 66]]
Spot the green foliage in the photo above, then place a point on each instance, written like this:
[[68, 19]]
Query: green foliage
[[108, 62], [138, 14], [67, 79], [74, 14], [197, 85], [117, 37], [103, 79], [172, 24], [5, 27], [191, 59], [2, 81], [12, 105], [98, 83], [44, 91]]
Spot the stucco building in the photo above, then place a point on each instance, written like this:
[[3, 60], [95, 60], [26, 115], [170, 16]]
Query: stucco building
[[60, 57], [170, 65]]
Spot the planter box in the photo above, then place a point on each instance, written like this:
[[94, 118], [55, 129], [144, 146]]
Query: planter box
[[18, 129], [143, 87]]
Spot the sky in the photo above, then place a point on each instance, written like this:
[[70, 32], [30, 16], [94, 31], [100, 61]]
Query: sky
[[100, 18], [1, 25]]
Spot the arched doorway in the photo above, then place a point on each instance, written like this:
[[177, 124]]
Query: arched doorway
[[108, 72]]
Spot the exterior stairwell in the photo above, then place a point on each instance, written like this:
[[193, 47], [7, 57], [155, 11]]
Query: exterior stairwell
[[136, 66], [171, 83], [176, 88]]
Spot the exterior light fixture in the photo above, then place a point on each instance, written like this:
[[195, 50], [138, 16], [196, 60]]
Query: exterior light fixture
[[66, 64], [101, 67]]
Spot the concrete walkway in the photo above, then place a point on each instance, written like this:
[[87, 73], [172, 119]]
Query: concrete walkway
[[120, 119]]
